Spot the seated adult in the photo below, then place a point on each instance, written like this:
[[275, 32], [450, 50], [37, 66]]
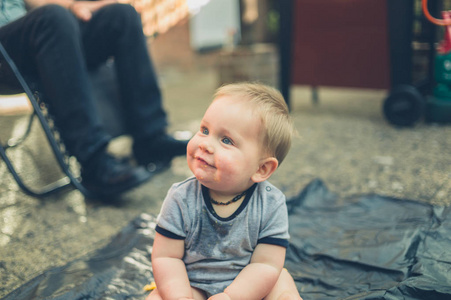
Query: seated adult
[[55, 43]]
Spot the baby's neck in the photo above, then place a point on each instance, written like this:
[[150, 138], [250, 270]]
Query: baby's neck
[[224, 197], [225, 205]]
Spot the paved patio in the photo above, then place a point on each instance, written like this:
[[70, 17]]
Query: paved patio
[[344, 140]]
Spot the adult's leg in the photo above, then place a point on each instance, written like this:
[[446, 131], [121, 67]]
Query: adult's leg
[[46, 46], [116, 31]]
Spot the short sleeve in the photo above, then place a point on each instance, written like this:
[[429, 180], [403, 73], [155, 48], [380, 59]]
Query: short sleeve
[[171, 221], [274, 228]]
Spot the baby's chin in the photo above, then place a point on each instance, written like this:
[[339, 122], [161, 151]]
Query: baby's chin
[[205, 180], [200, 175], [208, 180]]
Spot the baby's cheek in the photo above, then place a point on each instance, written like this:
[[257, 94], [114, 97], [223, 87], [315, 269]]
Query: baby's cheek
[[228, 167], [191, 147]]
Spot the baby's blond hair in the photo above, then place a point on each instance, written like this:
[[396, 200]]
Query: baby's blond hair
[[270, 105]]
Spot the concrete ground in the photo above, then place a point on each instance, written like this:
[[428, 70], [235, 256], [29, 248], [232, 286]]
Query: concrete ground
[[344, 140]]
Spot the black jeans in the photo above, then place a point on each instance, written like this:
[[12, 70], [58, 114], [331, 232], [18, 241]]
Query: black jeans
[[50, 46]]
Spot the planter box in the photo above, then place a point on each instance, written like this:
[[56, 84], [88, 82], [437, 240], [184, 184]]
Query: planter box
[[257, 63]]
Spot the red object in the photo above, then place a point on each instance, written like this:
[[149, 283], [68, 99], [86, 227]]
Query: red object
[[340, 43], [431, 18], [445, 45]]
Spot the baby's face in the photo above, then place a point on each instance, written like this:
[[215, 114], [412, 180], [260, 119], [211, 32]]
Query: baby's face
[[226, 151]]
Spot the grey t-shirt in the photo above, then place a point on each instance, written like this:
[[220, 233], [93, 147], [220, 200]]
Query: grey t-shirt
[[217, 249], [11, 10]]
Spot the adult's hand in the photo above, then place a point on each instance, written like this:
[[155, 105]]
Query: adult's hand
[[83, 10]]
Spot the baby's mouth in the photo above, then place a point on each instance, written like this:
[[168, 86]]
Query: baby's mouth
[[203, 161]]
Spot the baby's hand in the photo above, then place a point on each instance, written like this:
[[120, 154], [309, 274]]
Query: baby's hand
[[221, 296]]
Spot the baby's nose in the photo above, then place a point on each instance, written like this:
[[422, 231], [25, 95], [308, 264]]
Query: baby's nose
[[207, 147]]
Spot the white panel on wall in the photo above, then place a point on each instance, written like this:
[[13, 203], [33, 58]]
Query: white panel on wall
[[216, 24]]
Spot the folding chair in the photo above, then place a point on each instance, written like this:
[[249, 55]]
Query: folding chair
[[39, 112]]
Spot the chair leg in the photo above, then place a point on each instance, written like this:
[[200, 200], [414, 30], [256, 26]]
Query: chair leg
[[46, 190], [58, 185], [13, 142], [70, 179]]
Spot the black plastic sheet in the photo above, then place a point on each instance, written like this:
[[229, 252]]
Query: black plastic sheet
[[363, 247], [368, 247]]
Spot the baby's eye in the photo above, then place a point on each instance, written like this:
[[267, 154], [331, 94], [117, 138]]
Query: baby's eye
[[204, 130], [227, 141]]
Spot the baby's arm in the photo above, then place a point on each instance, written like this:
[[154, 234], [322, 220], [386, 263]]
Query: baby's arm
[[168, 268], [258, 278]]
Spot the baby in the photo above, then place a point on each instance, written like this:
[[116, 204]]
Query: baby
[[223, 233]]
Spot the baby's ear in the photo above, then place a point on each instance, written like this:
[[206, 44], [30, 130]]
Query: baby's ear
[[267, 167]]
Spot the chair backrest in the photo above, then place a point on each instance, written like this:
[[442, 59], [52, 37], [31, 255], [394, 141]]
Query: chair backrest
[[104, 83], [50, 132], [9, 84]]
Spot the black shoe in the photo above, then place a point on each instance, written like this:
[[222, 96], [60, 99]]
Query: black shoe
[[157, 153], [106, 176]]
